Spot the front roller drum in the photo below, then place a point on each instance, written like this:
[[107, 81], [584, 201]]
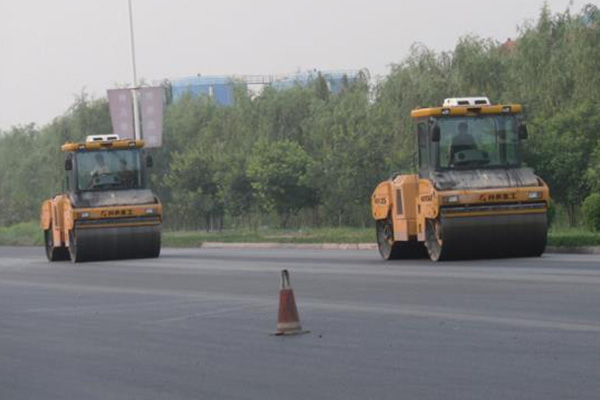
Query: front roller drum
[[96, 244], [494, 236]]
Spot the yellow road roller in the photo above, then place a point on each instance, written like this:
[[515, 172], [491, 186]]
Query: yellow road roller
[[471, 197], [107, 211]]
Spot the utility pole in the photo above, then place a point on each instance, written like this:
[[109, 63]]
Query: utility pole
[[134, 90]]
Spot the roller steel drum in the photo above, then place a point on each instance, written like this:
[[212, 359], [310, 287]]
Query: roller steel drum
[[111, 243], [469, 237]]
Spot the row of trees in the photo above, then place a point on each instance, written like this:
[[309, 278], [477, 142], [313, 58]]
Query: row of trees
[[304, 156]]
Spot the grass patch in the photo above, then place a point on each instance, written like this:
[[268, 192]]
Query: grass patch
[[573, 237], [23, 234], [308, 235], [30, 234]]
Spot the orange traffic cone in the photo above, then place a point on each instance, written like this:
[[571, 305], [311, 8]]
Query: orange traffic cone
[[288, 322]]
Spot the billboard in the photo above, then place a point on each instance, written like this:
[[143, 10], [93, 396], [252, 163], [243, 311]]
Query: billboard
[[120, 103], [151, 101], [152, 106]]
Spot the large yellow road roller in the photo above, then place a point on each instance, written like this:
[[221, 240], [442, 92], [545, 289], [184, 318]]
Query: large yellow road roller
[[107, 211], [471, 197]]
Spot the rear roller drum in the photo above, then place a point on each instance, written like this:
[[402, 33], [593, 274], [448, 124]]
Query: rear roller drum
[[392, 250], [54, 253], [385, 239]]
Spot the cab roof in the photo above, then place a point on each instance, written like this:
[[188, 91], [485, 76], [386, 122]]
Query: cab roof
[[103, 145], [468, 111]]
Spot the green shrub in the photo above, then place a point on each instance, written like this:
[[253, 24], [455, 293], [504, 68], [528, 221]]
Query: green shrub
[[573, 237], [551, 213], [23, 234], [591, 212]]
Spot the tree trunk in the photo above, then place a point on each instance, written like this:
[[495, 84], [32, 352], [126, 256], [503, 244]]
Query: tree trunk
[[284, 219], [571, 215]]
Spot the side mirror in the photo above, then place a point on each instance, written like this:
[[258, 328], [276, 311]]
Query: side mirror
[[149, 162], [523, 132], [68, 164], [435, 133]]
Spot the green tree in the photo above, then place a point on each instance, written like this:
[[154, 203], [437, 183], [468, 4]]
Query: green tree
[[278, 174], [315, 156], [561, 154], [591, 211], [194, 190]]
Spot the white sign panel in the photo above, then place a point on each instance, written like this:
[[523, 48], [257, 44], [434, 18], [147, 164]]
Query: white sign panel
[[120, 103], [152, 104]]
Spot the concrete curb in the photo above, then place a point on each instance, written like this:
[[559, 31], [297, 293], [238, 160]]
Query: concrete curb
[[363, 246], [305, 246]]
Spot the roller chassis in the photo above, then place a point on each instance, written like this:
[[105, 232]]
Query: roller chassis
[[422, 226], [100, 238]]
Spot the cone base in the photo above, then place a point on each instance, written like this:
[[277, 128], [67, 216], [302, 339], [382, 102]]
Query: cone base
[[291, 333]]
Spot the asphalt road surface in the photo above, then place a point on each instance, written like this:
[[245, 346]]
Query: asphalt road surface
[[196, 324]]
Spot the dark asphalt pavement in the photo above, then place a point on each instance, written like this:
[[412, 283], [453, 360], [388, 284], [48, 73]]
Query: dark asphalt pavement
[[195, 324]]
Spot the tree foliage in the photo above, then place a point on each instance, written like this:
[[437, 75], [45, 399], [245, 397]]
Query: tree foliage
[[278, 175], [591, 211], [306, 156]]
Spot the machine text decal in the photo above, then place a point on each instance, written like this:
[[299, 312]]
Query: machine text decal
[[497, 196]]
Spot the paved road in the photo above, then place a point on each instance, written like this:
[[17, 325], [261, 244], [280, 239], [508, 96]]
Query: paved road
[[195, 324]]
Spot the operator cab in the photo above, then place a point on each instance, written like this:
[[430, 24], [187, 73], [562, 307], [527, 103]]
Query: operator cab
[[467, 136], [118, 169], [105, 169]]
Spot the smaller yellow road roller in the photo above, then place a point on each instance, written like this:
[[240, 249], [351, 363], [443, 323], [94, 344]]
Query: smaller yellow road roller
[[107, 211]]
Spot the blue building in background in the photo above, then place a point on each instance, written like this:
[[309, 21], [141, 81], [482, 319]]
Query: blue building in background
[[336, 80], [219, 88]]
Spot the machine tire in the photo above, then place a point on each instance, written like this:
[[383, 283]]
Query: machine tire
[[155, 250], [385, 239], [434, 240], [75, 253], [392, 250], [54, 253]]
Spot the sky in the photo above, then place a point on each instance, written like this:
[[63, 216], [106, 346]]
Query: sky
[[51, 51]]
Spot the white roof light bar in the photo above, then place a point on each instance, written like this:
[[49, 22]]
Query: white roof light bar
[[466, 101], [102, 138]]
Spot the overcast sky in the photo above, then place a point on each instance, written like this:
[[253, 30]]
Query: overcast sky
[[52, 49]]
